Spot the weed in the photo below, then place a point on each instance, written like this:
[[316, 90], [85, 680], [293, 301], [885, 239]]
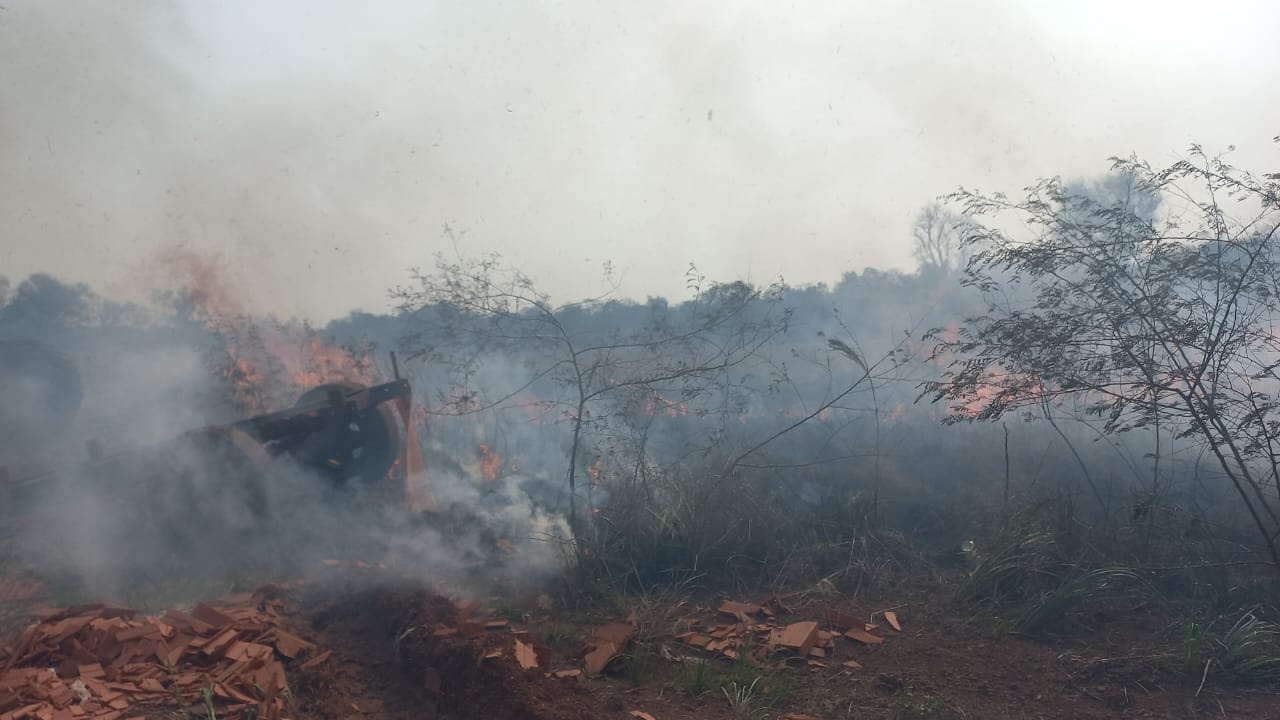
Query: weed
[[777, 685], [206, 698], [556, 636], [505, 609], [746, 702], [1194, 640], [400, 637], [833, 709], [641, 663], [1086, 588], [696, 678], [1006, 568], [919, 705], [1250, 650]]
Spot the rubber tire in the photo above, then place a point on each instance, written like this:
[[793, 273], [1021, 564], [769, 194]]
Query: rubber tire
[[365, 448]]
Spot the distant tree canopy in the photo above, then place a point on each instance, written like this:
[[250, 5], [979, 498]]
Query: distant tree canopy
[[43, 301], [938, 239]]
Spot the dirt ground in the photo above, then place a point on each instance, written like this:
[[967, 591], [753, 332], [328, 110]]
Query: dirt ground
[[401, 650]]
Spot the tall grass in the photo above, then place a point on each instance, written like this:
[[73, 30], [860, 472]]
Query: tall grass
[[1011, 564], [1250, 651], [1091, 587]]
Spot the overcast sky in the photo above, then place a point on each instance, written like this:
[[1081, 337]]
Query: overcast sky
[[320, 147]]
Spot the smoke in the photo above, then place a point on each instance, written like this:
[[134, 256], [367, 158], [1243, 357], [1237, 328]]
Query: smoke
[[321, 150], [173, 506], [146, 496], [296, 167]]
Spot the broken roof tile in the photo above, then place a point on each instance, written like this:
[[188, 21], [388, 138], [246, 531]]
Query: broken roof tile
[[863, 636], [891, 617], [616, 633], [740, 610], [799, 637], [525, 655], [599, 657], [211, 616]]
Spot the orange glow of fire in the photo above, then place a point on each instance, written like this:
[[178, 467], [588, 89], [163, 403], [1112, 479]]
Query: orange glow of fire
[[267, 363], [895, 413], [658, 405], [986, 392], [417, 490], [490, 463], [535, 410], [245, 380]]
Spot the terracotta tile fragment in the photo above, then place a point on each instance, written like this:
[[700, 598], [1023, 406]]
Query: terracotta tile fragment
[[290, 645], [741, 611], [863, 636], [219, 644], [317, 660], [799, 637], [891, 617], [697, 640], [525, 655], [138, 631], [617, 633], [211, 616], [598, 658]]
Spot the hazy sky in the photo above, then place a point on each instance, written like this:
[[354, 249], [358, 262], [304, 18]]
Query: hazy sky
[[320, 147]]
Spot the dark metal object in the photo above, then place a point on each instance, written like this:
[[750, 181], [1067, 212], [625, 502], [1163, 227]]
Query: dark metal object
[[342, 431], [314, 412], [361, 439]]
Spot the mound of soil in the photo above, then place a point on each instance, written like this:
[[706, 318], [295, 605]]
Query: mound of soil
[[390, 662]]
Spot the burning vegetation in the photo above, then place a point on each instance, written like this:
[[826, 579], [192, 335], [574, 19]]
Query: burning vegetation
[[751, 500]]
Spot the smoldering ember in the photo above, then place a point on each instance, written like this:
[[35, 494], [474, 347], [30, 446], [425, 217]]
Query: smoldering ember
[[654, 362]]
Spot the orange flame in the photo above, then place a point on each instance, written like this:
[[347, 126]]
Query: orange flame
[[267, 363], [490, 463], [417, 493], [655, 404]]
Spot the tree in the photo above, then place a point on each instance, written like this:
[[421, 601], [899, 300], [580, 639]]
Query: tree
[[43, 303], [475, 310], [1142, 320], [938, 237]]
